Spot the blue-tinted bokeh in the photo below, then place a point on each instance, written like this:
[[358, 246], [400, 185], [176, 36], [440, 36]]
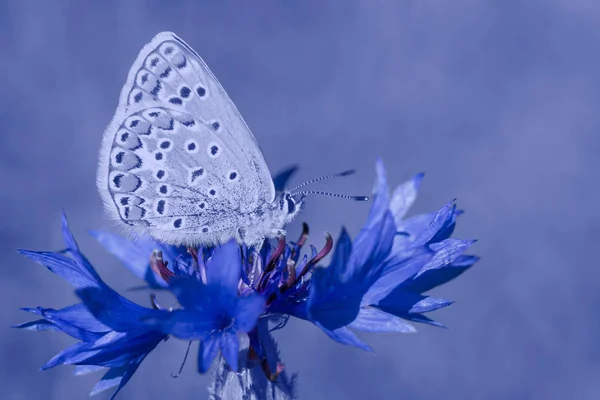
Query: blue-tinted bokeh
[[498, 102]]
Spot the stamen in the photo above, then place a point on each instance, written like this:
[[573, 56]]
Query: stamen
[[320, 255], [296, 249], [183, 363], [272, 263], [304, 235], [291, 267], [193, 251], [337, 175], [160, 267]]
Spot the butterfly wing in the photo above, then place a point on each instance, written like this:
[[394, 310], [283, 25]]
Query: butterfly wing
[[178, 162]]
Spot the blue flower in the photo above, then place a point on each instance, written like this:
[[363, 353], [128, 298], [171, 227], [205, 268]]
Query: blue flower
[[99, 346], [212, 310], [376, 283]]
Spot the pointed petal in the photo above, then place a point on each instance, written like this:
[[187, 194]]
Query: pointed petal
[[339, 261], [136, 255], [396, 273], [73, 249], [378, 210], [345, 336], [76, 321], [184, 324], [247, 312], [117, 376], [441, 219], [70, 355], [435, 277], [37, 325], [111, 378], [400, 302], [372, 319], [224, 267], [81, 370], [191, 293], [404, 196], [230, 346], [423, 320], [115, 349], [209, 347], [446, 252], [114, 310], [65, 267]]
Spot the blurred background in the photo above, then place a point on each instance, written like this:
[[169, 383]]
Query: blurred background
[[496, 101]]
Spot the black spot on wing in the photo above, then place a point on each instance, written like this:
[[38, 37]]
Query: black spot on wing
[[156, 90], [166, 73], [160, 207], [185, 92]]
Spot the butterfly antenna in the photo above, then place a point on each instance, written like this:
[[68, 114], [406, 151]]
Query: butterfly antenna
[[343, 196], [338, 175]]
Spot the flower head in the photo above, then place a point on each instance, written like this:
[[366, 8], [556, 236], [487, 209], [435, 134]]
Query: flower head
[[99, 346], [375, 283]]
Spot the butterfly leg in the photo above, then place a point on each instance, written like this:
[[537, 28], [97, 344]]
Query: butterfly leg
[[240, 235]]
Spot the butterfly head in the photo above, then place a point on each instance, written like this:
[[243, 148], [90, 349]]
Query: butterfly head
[[289, 206]]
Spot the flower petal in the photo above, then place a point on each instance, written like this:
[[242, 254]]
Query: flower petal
[[136, 255], [76, 321], [345, 336], [209, 347], [338, 268], [81, 370], [372, 319], [73, 249], [435, 277], [224, 267], [445, 252], [404, 196], [230, 346], [247, 312], [441, 221], [117, 349], [400, 302], [114, 310], [184, 324], [396, 273], [117, 376], [65, 267], [38, 325]]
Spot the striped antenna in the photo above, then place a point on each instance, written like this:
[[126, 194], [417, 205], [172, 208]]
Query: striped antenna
[[343, 196], [338, 175]]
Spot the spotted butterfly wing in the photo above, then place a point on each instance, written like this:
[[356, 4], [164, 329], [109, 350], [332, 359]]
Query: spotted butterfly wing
[[178, 162]]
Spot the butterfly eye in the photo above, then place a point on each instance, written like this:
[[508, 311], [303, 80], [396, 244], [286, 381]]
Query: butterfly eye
[[291, 204]]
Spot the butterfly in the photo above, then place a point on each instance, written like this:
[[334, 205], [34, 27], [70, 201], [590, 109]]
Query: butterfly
[[178, 163]]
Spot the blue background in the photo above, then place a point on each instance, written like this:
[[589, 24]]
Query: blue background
[[497, 101]]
